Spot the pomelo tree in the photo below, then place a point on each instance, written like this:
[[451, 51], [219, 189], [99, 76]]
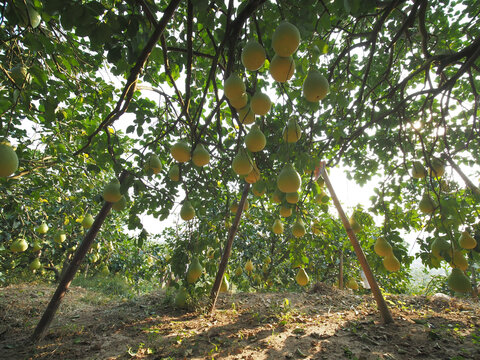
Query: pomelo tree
[[402, 90]]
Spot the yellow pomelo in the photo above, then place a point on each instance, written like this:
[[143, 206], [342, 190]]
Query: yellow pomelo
[[60, 236], [277, 196], [87, 221], [111, 192], [437, 167], [301, 278], [285, 39], [277, 227], [187, 212], [238, 271], [181, 298], [253, 55], [459, 282], [259, 188], [242, 163], [382, 247], [154, 164], [19, 245], [418, 170], [315, 86], [466, 241], [285, 211], [292, 198], [120, 204], [292, 132], [289, 179], [174, 173], [234, 87], [255, 139], [36, 246], [194, 271], [180, 151], [35, 264], [441, 248], [298, 228], [391, 263], [8, 160], [42, 228], [249, 266], [260, 103], [224, 285], [254, 175], [427, 204], [322, 198], [240, 101], [282, 68], [246, 115], [200, 156], [459, 261], [356, 227], [352, 284]]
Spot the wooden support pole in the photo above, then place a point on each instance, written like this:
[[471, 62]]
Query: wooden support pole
[[70, 272], [228, 249], [377, 294]]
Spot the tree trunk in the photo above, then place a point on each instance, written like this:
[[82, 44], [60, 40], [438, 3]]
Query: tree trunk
[[69, 273], [228, 249], [377, 294]]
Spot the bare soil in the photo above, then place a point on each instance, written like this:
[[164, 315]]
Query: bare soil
[[324, 323]]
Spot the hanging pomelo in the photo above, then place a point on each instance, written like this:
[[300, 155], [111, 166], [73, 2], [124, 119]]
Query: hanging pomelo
[[87, 221], [224, 285], [467, 241], [459, 261], [459, 282], [282, 68], [315, 86], [277, 196], [174, 173], [239, 102], [35, 264], [292, 132], [285, 39], [285, 211], [253, 55], [289, 179], [194, 271], [427, 204], [441, 248], [120, 204], [200, 156], [254, 175], [382, 247], [301, 278], [260, 103], [234, 87], [255, 139], [437, 167], [181, 298], [418, 170], [154, 164], [391, 263], [60, 236], [19, 245], [277, 227], [298, 228], [242, 163], [42, 228], [249, 266], [8, 159], [246, 115], [292, 198], [180, 151], [187, 212], [111, 192], [259, 188]]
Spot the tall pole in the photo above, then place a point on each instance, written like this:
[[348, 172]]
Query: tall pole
[[377, 294], [228, 249]]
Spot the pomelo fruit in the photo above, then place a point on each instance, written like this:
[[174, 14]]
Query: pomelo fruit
[[254, 175], [249, 266], [194, 271], [255, 139], [253, 55], [391, 263], [467, 241], [200, 156], [224, 285], [259, 188], [87, 221], [19, 245], [285, 39], [246, 115], [180, 151], [459, 282], [292, 132], [154, 164], [292, 198], [239, 102], [42, 228], [60, 236], [285, 211], [437, 167], [459, 261], [187, 212], [315, 86], [382, 247], [352, 284], [174, 172], [298, 228], [282, 68], [8, 159], [289, 179], [277, 227], [120, 204], [111, 192], [441, 248], [35, 264], [301, 278], [418, 170], [234, 87], [242, 163], [427, 205], [260, 103]]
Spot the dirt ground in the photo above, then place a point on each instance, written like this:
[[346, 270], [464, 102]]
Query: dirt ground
[[324, 323]]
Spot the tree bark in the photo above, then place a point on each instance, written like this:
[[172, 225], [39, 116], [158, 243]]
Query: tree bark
[[70, 272], [377, 294], [228, 249]]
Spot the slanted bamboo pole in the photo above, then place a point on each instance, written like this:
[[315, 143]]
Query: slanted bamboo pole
[[228, 249], [377, 294]]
